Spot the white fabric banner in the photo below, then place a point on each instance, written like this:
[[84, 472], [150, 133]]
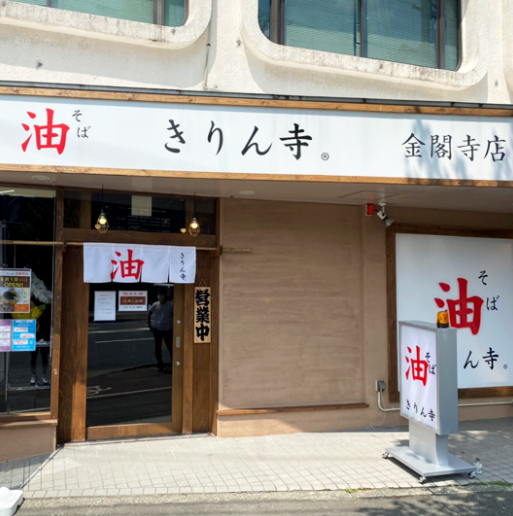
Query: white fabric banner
[[97, 263], [125, 263], [182, 264], [156, 263]]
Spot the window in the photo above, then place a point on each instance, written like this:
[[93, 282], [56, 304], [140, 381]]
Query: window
[[418, 32], [26, 286], [150, 214], [171, 13]]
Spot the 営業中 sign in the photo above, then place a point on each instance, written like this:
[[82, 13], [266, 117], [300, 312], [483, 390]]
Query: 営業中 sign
[[202, 315]]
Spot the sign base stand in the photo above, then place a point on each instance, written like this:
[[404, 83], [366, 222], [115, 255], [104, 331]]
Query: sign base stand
[[428, 454], [9, 501], [427, 469]]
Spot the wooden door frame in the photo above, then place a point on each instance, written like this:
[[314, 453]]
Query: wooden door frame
[[73, 363]]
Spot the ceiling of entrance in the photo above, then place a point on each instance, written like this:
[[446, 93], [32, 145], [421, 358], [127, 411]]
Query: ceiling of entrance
[[498, 200]]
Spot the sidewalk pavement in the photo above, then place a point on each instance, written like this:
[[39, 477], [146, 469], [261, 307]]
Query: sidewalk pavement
[[208, 464]]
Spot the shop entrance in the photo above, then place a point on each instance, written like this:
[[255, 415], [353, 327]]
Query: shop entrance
[[111, 380], [133, 358]]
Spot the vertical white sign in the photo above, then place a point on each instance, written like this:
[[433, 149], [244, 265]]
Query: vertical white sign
[[418, 380], [105, 306]]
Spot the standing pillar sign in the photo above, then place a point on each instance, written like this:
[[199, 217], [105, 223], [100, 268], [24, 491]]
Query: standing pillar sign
[[429, 399]]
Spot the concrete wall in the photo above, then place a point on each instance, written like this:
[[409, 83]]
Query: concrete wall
[[304, 317], [221, 48]]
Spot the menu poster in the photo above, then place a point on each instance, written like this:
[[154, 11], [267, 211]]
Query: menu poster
[[133, 301], [5, 335], [23, 335], [105, 305], [15, 291]]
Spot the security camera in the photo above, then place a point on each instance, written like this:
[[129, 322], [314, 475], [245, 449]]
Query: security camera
[[383, 216]]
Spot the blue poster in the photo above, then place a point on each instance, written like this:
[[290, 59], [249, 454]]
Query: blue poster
[[23, 335]]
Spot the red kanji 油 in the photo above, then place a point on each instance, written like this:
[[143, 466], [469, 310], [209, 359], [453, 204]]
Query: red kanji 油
[[464, 312], [419, 368], [127, 268], [49, 136]]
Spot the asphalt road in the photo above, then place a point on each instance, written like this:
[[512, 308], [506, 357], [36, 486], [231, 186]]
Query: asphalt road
[[372, 503]]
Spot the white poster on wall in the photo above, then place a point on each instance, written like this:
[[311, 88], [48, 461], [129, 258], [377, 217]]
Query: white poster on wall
[[472, 278], [105, 306], [418, 384]]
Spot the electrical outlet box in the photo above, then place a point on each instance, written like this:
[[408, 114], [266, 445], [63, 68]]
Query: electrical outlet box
[[380, 385]]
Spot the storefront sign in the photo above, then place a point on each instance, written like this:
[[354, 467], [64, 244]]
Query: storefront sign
[[133, 301], [202, 315], [105, 306], [471, 278], [5, 335], [124, 263], [23, 335], [252, 140], [15, 290], [419, 386]]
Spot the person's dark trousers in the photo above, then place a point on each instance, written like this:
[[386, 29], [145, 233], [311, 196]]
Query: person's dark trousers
[[44, 356], [167, 337]]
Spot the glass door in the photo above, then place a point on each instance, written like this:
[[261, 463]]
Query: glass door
[[134, 356]]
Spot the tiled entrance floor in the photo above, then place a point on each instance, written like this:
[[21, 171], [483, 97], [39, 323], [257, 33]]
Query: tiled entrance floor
[[205, 464]]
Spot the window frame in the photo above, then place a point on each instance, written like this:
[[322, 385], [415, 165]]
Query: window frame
[[158, 11], [277, 30]]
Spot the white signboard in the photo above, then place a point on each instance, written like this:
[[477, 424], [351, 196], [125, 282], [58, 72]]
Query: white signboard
[[418, 376], [105, 306], [226, 139], [133, 301], [472, 278]]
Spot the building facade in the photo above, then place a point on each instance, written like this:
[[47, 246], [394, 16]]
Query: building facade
[[280, 126]]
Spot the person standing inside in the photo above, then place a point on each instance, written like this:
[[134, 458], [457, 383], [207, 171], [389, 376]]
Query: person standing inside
[[160, 322]]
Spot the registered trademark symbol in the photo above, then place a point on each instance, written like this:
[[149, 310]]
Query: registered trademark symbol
[[325, 156]]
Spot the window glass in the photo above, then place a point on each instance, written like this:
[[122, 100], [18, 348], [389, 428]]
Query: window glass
[[264, 16], [27, 214], [174, 13], [127, 212], [41, 3], [451, 35], [135, 10], [402, 31], [329, 27]]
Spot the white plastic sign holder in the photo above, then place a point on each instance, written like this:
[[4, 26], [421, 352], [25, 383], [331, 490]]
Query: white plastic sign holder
[[429, 400], [10, 500]]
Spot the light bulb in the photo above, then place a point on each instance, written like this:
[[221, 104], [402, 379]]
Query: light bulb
[[102, 224], [194, 227]]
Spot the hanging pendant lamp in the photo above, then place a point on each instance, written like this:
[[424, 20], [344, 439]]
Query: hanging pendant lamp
[[194, 227], [102, 224]]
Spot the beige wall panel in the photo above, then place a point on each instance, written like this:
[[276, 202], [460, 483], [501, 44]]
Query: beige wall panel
[[304, 316], [318, 421], [291, 310], [22, 442]]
